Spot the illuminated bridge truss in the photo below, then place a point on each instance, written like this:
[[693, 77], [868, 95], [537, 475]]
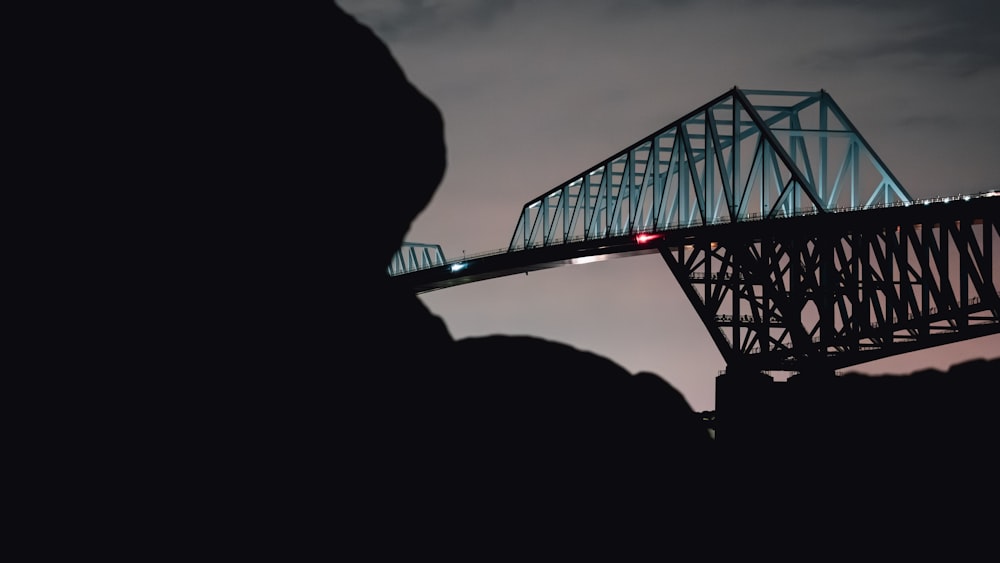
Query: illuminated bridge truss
[[413, 256], [838, 289], [745, 155]]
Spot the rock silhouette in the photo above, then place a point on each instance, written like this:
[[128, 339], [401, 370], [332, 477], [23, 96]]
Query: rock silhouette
[[515, 442]]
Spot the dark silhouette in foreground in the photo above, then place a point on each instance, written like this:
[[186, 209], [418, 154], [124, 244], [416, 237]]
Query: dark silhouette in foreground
[[266, 391], [277, 395], [872, 467]]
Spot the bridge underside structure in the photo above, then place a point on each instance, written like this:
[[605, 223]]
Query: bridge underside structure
[[797, 246], [820, 293]]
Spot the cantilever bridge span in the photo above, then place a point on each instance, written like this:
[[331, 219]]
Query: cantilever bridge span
[[796, 245]]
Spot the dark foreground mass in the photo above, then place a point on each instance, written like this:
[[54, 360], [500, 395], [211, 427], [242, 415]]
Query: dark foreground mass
[[255, 386], [881, 466]]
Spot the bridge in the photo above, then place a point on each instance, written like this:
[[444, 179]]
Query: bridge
[[796, 245]]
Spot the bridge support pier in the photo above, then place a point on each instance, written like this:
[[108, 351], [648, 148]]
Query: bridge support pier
[[744, 401], [756, 414]]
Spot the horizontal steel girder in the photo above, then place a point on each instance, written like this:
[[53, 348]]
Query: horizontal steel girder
[[839, 289]]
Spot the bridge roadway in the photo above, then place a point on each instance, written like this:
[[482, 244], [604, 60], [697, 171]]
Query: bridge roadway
[[807, 292], [506, 263]]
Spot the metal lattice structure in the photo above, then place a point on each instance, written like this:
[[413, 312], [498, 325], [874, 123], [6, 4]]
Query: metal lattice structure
[[830, 291], [413, 256], [744, 155]]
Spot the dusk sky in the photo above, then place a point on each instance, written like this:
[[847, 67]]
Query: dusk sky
[[534, 92]]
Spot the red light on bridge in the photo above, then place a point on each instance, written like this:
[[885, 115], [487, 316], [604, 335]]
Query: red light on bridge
[[643, 238]]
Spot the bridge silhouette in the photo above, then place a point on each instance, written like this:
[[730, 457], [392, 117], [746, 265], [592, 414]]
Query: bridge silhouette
[[797, 246]]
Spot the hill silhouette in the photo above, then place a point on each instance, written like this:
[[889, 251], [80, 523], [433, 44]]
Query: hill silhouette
[[875, 465]]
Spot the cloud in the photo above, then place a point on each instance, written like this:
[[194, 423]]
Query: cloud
[[958, 38], [395, 20]]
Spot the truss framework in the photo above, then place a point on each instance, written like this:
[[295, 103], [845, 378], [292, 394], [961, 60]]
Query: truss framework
[[413, 256], [842, 289], [745, 155]]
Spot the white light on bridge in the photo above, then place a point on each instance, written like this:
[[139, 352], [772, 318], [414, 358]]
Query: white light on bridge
[[457, 267], [589, 259]]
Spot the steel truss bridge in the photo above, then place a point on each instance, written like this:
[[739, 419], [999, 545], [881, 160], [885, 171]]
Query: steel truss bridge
[[796, 245]]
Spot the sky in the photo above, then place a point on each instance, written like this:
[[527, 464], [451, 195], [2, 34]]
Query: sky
[[536, 91]]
